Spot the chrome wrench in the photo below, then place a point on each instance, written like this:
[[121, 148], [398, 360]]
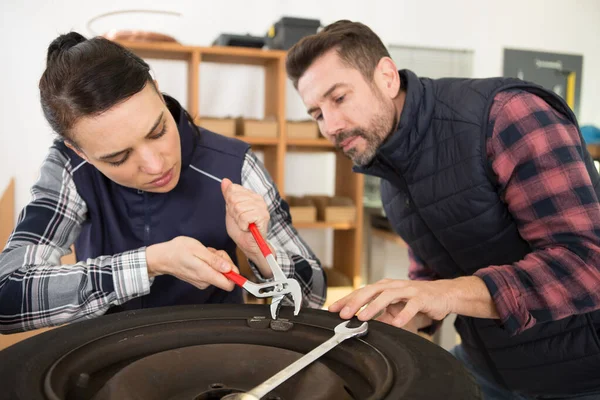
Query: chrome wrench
[[342, 332]]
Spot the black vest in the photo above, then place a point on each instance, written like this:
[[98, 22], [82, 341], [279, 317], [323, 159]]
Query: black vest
[[121, 219], [440, 195]]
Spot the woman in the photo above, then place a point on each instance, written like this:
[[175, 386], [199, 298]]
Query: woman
[[125, 185]]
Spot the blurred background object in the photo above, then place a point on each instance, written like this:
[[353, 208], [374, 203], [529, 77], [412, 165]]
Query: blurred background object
[[148, 31], [591, 134], [559, 72], [289, 30]]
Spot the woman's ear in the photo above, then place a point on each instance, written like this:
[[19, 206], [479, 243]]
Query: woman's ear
[[73, 146]]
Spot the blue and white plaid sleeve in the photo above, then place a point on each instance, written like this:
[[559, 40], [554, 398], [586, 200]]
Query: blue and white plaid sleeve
[[35, 289]]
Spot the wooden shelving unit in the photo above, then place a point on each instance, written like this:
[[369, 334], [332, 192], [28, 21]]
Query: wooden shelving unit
[[341, 226], [348, 236], [310, 143], [7, 212], [258, 141], [594, 150]]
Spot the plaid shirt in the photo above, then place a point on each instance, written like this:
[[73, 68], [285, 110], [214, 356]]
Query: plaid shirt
[[37, 291], [537, 157]]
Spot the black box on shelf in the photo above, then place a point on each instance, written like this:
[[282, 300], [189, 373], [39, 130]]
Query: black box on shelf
[[288, 31], [229, 39]]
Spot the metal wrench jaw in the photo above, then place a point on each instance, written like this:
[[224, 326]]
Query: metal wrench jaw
[[342, 329]]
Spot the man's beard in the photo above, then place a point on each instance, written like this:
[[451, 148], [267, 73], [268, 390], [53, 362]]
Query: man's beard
[[379, 129]]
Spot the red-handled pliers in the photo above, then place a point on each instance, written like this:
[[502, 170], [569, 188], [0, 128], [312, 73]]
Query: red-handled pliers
[[278, 288]]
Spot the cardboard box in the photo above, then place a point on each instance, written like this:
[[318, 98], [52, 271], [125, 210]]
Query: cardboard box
[[303, 213], [340, 209], [320, 203], [334, 209], [266, 128], [302, 130], [302, 209], [223, 126], [340, 214]]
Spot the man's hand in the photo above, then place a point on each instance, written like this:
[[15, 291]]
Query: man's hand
[[243, 208], [390, 313], [399, 299], [403, 300]]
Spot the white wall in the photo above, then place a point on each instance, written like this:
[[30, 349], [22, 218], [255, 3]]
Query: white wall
[[486, 27]]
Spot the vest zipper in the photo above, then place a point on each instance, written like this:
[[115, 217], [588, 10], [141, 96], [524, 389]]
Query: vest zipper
[[146, 218], [146, 230]]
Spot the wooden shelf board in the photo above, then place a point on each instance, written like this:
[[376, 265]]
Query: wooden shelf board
[[218, 54], [161, 46], [240, 55], [172, 51], [325, 225], [259, 141], [321, 143]]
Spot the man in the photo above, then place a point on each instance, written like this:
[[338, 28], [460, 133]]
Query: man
[[490, 184]]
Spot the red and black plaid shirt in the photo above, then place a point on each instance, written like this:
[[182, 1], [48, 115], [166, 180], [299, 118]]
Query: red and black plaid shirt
[[537, 156]]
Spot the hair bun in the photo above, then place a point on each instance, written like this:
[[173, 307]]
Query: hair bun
[[63, 43]]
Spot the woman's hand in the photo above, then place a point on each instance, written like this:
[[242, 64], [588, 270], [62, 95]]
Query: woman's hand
[[243, 208], [189, 260]]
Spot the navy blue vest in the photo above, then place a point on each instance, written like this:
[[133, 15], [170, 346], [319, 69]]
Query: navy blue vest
[[440, 195], [121, 219]]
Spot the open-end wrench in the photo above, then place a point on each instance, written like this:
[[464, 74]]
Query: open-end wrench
[[342, 332]]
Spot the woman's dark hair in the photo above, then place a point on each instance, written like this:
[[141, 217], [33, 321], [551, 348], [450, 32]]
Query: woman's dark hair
[[87, 77]]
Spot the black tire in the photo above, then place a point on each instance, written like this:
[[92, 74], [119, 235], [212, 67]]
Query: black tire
[[419, 369]]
